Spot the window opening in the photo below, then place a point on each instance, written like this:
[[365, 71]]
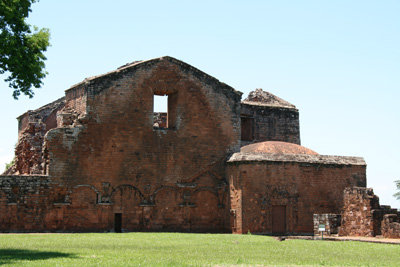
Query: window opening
[[164, 110], [160, 111], [247, 129]]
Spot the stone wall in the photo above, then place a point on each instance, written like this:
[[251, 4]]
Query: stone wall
[[363, 216], [360, 216], [23, 202], [302, 185], [390, 226], [331, 222]]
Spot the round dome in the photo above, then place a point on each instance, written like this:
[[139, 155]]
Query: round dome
[[275, 147]]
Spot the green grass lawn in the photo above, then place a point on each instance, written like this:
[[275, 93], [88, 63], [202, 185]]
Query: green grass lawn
[[175, 249]]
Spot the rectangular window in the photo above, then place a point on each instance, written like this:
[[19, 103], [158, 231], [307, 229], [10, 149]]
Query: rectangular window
[[247, 129], [164, 110]]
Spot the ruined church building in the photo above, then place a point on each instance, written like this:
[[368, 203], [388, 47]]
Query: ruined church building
[[101, 159]]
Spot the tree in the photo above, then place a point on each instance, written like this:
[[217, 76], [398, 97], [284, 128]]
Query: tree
[[21, 51], [397, 195], [8, 165]]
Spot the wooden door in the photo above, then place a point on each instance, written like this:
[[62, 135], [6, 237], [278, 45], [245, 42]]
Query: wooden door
[[278, 219]]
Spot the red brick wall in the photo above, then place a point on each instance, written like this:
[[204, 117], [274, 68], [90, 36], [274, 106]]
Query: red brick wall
[[303, 188], [75, 99], [117, 144]]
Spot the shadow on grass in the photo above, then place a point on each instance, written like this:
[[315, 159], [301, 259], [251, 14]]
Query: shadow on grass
[[10, 255]]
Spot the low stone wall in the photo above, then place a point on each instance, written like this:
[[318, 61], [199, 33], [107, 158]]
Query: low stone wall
[[331, 221], [391, 226]]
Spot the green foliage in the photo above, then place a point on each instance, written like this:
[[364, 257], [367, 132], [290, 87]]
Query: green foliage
[[397, 195], [8, 165], [176, 249], [21, 50]]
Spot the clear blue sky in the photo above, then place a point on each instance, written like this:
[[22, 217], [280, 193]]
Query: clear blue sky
[[337, 61]]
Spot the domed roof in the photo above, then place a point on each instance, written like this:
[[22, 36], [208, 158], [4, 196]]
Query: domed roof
[[274, 147]]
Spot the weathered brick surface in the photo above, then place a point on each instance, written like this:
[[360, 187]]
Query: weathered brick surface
[[266, 117], [110, 162], [358, 218], [24, 202], [108, 157], [32, 127], [363, 216], [45, 114], [303, 184]]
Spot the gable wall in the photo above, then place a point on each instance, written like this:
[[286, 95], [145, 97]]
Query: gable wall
[[116, 145]]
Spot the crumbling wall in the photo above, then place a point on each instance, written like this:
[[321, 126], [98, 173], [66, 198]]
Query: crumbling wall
[[363, 216], [28, 151], [32, 127], [160, 120], [360, 216], [46, 114]]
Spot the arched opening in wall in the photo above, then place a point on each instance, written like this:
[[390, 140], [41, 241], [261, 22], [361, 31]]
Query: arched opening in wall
[[167, 214], [126, 201], [164, 109], [205, 215], [82, 213]]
